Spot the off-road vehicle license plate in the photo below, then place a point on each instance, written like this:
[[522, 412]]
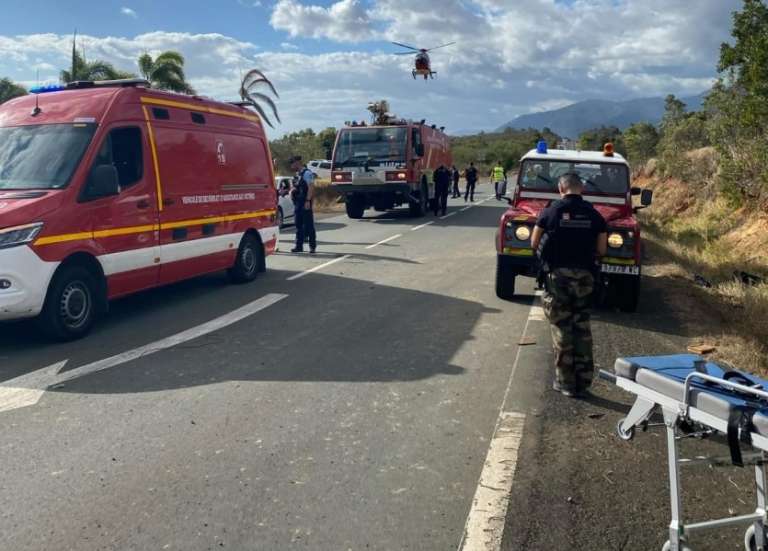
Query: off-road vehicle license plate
[[613, 269]]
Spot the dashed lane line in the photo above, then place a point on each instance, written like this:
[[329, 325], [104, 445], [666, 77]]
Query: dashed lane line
[[387, 240], [448, 215], [318, 268], [423, 226]]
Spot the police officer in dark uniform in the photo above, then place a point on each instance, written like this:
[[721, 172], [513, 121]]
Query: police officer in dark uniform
[[570, 236], [442, 177], [470, 174], [302, 195], [456, 175]]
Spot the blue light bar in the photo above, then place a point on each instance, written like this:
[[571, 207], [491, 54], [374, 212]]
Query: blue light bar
[[541, 147], [47, 88]]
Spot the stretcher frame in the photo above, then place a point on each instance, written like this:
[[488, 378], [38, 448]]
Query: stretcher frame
[[674, 412]]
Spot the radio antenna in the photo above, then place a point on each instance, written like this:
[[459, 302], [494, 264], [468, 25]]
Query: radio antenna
[[36, 111]]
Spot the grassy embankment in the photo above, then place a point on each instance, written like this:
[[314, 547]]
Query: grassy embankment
[[693, 231]]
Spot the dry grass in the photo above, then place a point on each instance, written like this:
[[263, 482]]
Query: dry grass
[[697, 233], [326, 198]]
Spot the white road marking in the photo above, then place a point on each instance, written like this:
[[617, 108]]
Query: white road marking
[[485, 524], [423, 226], [387, 240], [537, 314], [466, 208], [486, 519], [447, 215], [318, 268], [27, 390]]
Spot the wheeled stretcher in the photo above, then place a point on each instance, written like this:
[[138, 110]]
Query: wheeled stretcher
[[699, 398]]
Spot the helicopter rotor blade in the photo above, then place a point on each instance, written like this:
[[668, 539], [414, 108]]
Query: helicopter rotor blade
[[443, 46], [404, 53], [406, 46]]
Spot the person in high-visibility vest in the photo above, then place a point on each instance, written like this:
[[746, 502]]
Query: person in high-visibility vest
[[499, 177]]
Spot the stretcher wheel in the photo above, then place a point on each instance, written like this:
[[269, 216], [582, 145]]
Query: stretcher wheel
[[683, 547], [749, 539], [626, 435]]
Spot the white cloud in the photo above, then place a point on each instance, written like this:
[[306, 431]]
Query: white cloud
[[511, 57], [343, 21], [129, 12]]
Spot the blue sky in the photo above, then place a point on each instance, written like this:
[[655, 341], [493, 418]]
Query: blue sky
[[329, 58]]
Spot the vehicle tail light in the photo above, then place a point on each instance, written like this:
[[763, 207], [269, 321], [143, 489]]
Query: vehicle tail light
[[397, 176], [341, 177]]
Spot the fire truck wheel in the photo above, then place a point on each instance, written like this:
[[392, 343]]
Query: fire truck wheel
[[248, 261], [355, 208], [505, 280], [414, 209], [627, 293], [70, 305]]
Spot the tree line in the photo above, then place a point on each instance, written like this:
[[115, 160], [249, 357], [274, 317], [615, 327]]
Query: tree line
[[733, 121]]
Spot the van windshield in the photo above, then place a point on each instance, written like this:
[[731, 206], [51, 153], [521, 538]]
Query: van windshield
[[371, 147], [42, 156], [606, 178]]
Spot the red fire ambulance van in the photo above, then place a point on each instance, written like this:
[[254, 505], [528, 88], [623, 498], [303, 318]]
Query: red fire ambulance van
[[110, 188]]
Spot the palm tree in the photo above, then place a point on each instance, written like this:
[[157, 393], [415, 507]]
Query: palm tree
[[10, 90], [91, 70], [165, 72], [252, 81]]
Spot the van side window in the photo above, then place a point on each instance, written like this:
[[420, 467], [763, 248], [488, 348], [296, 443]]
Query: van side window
[[325, 166], [122, 148], [161, 114], [198, 118]]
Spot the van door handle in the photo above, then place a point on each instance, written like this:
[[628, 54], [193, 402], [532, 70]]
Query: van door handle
[[168, 202], [143, 204]]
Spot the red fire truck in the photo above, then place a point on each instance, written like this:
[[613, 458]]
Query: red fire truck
[[606, 185], [388, 163]]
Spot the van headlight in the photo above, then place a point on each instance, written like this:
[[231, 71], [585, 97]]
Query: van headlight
[[523, 233], [19, 235], [615, 240]]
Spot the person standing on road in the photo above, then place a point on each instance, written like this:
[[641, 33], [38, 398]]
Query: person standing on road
[[470, 175], [442, 178], [456, 176], [569, 237], [499, 177], [302, 195]]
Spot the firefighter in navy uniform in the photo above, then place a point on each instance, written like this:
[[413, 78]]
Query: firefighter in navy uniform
[[570, 236], [442, 178]]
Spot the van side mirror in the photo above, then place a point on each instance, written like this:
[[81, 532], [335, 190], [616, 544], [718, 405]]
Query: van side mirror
[[646, 197], [419, 149], [103, 182], [635, 191]]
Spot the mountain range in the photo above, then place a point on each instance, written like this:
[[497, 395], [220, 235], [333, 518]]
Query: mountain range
[[572, 120]]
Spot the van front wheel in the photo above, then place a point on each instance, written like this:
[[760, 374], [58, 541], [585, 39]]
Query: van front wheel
[[70, 305], [248, 261]]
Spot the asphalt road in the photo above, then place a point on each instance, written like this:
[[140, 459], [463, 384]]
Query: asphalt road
[[374, 396], [352, 410]]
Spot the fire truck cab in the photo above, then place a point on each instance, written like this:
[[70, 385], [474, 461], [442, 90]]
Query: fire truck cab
[[606, 177], [388, 164]]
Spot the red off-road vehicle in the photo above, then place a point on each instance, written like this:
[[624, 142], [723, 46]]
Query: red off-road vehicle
[[606, 177]]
